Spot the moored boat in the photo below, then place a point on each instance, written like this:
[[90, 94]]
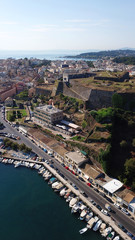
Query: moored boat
[[117, 238], [18, 164], [76, 207], [83, 214], [106, 231], [63, 191], [97, 225], [83, 230], [55, 184], [91, 222], [110, 235], [58, 187], [73, 201], [88, 216], [52, 180], [67, 193], [102, 227]]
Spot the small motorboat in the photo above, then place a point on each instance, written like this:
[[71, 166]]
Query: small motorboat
[[83, 230], [117, 238]]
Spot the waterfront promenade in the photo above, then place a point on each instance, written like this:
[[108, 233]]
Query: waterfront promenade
[[86, 201]]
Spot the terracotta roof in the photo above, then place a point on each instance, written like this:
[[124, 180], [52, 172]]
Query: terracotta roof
[[129, 197]]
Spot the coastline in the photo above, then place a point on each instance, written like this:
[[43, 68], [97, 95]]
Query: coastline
[[106, 219]]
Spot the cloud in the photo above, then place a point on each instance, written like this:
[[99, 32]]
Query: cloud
[[88, 22], [8, 23], [77, 20], [56, 28]]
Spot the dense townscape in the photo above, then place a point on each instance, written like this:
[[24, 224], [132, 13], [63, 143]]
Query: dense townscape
[[74, 121]]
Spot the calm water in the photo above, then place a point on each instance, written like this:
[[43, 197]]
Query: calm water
[[30, 210], [50, 55]]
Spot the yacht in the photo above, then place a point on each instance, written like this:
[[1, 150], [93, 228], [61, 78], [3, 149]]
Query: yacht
[[76, 207], [67, 193], [91, 223], [83, 230], [48, 176], [110, 236], [58, 187], [88, 216], [52, 180], [97, 225], [40, 170], [37, 166], [63, 191], [82, 207], [45, 173], [27, 164], [18, 164], [54, 185], [32, 165], [83, 214], [106, 231], [69, 198], [73, 201], [102, 227]]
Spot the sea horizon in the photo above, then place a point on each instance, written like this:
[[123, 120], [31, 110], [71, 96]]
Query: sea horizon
[[45, 54]]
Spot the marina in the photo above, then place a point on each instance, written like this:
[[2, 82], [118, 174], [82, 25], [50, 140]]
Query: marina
[[76, 201]]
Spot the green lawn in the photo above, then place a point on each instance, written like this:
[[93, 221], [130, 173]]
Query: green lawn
[[78, 138], [22, 112]]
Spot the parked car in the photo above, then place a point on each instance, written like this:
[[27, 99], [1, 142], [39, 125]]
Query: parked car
[[98, 206], [125, 211], [122, 227], [105, 212], [117, 205]]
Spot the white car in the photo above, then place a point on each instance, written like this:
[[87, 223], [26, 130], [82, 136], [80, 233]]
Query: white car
[[125, 211], [105, 212], [117, 205]]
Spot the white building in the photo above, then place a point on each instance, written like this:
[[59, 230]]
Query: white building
[[75, 159], [47, 114]]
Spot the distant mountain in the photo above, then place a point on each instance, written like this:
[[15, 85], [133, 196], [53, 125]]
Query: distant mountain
[[108, 53]]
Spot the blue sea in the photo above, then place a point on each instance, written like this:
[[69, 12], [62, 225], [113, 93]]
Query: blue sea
[[31, 210], [49, 55]]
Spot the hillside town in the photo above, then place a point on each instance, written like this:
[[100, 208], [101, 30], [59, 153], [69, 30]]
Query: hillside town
[[56, 107]]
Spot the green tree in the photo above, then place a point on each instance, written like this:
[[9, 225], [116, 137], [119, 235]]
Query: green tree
[[133, 142], [84, 124], [11, 118], [123, 144], [130, 168], [22, 147]]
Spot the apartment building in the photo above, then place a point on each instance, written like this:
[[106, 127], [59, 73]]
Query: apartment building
[[47, 114]]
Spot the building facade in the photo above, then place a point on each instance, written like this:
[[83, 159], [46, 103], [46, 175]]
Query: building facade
[[47, 115]]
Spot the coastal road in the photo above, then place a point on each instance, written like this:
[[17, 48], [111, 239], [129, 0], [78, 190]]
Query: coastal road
[[118, 215]]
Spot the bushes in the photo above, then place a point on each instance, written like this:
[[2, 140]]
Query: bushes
[[15, 146], [105, 158], [84, 124], [103, 115], [130, 172]]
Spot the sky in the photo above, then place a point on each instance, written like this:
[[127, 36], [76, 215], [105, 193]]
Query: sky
[[67, 25]]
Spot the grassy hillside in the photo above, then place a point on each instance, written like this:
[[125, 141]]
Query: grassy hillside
[[118, 160], [116, 127]]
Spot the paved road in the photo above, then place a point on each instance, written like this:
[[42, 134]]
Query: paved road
[[118, 215]]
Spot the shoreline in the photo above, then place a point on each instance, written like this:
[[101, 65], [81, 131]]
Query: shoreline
[[106, 219]]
